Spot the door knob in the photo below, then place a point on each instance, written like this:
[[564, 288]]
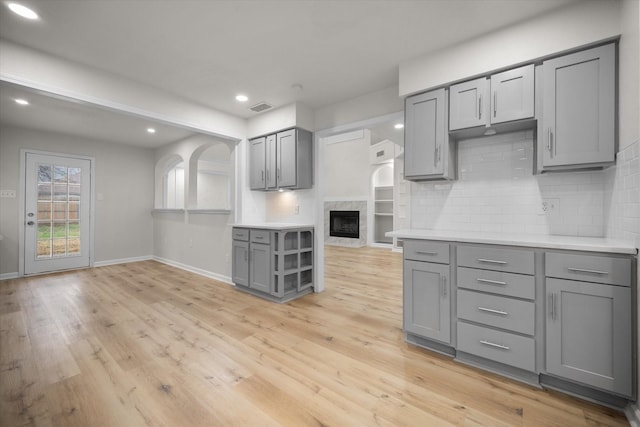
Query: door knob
[[30, 214], [30, 223]]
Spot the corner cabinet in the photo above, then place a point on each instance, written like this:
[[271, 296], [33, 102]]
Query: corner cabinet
[[427, 152], [281, 160], [273, 263], [577, 129]]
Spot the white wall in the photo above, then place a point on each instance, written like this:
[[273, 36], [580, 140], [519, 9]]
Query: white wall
[[375, 104], [124, 178], [346, 169], [579, 24]]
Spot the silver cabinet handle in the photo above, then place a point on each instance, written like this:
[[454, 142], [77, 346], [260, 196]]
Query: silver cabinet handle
[[444, 286], [550, 142], [495, 103], [491, 344], [584, 270], [550, 305], [246, 255], [555, 306], [427, 253], [491, 261], [435, 156], [490, 310], [480, 107], [493, 282]]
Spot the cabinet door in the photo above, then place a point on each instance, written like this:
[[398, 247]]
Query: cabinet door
[[589, 334], [425, 135], [260, 267], [257, 164], [427, 300], [271, 161], [579, 108], [469, 104], [512, 95], [240, 263], [287, 159]]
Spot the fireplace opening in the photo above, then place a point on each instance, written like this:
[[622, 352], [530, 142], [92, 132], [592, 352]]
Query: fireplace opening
[[344, 224]]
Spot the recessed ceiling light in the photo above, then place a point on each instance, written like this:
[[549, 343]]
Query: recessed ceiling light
[[151, 130], [398, 126], [22, 101], [23, 11], [242, 98]]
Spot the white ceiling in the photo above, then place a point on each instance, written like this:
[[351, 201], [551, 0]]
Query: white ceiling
[[208, 51]]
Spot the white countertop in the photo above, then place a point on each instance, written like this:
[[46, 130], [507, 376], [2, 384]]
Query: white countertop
[[592, 244], [274, 225]]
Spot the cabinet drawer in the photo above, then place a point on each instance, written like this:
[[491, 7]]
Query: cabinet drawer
[[589, 268], [502, 347], [241, 234], [495, 258], [260, 236], [426, 250], [501, 312], [497, 282]]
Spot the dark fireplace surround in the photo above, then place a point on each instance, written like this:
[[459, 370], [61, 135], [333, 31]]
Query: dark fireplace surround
[[344, 224]]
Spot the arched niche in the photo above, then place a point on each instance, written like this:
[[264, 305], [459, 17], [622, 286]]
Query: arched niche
[[212, 172], [170, 183]]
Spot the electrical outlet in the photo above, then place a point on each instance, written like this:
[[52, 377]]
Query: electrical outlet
[[8, 194], [550, 206]]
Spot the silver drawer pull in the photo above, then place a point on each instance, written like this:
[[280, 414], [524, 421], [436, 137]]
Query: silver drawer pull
[[427, 253], [491, 261], [259, 237], [491, 344], [582, 270], [490, 310], [493, 282]]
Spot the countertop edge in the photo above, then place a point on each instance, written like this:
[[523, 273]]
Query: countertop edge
[[274, 226], [589, 244]]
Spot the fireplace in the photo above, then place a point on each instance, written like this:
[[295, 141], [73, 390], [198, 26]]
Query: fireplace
[[344, 224]]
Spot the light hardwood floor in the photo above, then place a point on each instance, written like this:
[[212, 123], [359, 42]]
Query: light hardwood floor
[[147, 344]]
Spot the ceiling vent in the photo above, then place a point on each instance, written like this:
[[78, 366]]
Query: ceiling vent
[[260, 107]]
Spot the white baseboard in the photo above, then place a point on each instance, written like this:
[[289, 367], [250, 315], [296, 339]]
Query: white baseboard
[[7, 276], [196, 270], [122, 260], [632, 411]]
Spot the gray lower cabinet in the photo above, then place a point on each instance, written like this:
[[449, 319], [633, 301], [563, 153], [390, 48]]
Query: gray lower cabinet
[[240, 263], [428, 155], [273, 263], [588, 324], [578, 118], [427, 290], [281, 160], [260, 267], [558, 318]]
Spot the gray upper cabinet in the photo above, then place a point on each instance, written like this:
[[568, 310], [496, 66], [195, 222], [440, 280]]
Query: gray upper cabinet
[[504, 97], [427, 306], [427, 152], [468, 104], [512, 95], [578, 117], [257, 173], [282, 160], [271, 162]]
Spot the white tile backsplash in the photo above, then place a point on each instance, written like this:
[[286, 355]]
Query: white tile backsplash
[[622, 183], [496, 191]]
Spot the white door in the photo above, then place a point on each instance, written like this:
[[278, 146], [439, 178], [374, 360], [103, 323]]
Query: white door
[[57, 213]]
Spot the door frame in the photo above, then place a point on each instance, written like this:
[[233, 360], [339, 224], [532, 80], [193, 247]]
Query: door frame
[[22, 200]]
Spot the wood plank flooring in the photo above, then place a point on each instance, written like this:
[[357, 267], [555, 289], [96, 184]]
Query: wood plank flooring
[[145, 344]]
